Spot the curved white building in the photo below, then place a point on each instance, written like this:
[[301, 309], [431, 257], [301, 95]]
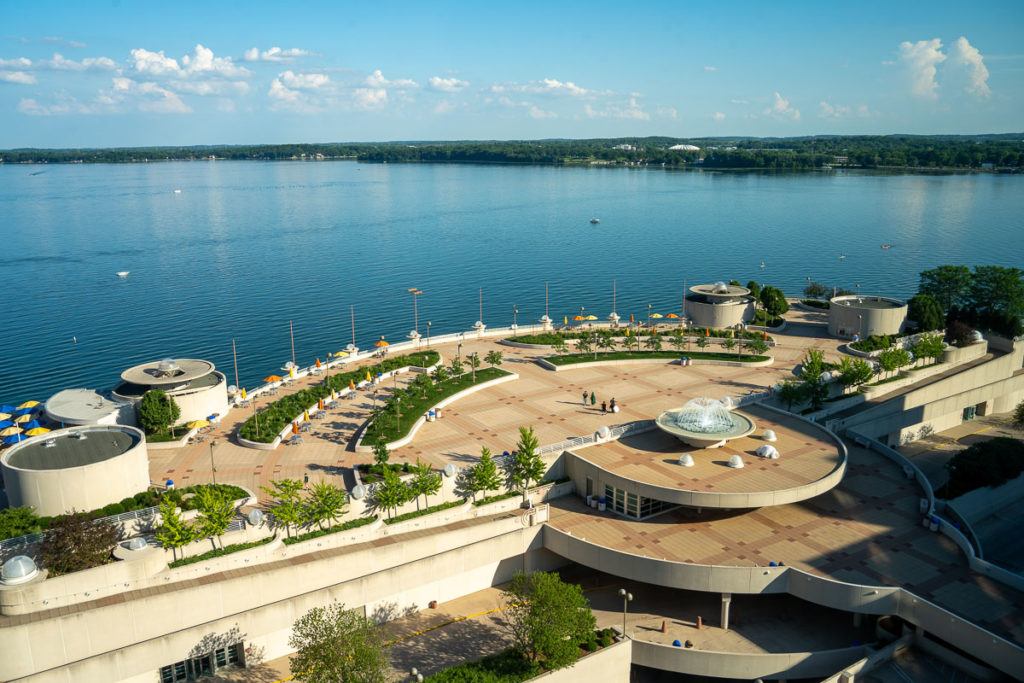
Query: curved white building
[[73, 407], [196, 386], [855, 315], [79, 468], [719, 305]]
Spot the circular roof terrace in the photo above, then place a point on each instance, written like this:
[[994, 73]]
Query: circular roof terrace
[[719, 292], [74, 447], [867, 302], [80, 406], [167, 372]]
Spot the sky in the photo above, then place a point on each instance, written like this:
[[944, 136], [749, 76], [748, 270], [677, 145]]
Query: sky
[[126, 73]]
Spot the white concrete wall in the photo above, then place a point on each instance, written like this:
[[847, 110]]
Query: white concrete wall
[[611, 663]]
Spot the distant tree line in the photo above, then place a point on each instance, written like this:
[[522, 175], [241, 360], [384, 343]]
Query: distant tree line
[[1000, 152]]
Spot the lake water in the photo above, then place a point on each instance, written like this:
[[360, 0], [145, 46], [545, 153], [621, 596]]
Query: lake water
[[247, 246]]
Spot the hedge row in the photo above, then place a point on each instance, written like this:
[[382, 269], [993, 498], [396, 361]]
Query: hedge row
[[351, 524], [220, 552]]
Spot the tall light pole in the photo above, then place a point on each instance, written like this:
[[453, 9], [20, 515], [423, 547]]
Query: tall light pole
[[213, 467], [415, 311], [428, 334], [515, 320], [626, 599]]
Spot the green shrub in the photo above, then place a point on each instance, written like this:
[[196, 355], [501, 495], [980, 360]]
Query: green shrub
[[351, 524], [504, 667], [573, 358], [496, 498], [816, 303], [16, 522], [875, 342], [987, 463], [220, 552], [425, 511], [276, 415]]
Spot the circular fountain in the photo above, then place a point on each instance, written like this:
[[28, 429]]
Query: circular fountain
[[705, 423]]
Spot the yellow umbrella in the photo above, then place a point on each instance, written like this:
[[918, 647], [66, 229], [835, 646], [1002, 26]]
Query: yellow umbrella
[[36, 431], [591, 317], [5, 416], [11, 431], [291, 372], [305, 416], [28, 404], [243, 393], [367, 375], [21, 419], [657, 315], [198, 424], [340, 354]]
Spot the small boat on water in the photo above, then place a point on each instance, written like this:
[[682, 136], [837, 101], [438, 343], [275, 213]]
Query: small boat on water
[[842, 257], [763, 266], [123, 274], [177, 192], [595, 221], [886, 246]]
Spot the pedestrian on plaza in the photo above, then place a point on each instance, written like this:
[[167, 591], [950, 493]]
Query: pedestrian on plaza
[[593, 399], [604, 406], [614, 406], [586, 394], [305, 478]]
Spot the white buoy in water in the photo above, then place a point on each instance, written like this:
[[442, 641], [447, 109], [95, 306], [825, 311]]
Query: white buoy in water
[[123, 274]]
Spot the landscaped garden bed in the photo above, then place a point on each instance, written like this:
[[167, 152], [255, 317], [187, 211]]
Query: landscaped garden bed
[[404, 517], [394, 420], [220, 552], [574, 358], [276, 415], [372, 473], [816, 303], [351, 524]]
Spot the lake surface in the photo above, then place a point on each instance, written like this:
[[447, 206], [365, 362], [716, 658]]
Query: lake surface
[[247, 246]]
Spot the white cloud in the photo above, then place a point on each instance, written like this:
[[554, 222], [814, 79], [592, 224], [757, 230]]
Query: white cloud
[[552, 85], [60, 63], [205, 88], [739, 101], [921, 60], [827, 110], [377, 80], [630, 110], [57, 40], [970, 58], [32, 107], [370, 98], [546, 86], [666, 112], [447, 84], [19, 77], [538, 113], [304, 81], [148, 96], [444, 107], [711, 69], [201, 62], [718, 116], [782, 109], [282, 94], [16, 63], [274, 54]]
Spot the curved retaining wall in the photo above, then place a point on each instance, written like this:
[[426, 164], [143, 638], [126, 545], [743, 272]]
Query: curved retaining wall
[[847, 316], [548, 365], [360, 448], [744, 665]]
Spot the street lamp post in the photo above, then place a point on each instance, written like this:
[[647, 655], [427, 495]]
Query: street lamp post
[[515, 320], [415, 312], [428, 334], [626, 599], [649, 307], [213, 467]]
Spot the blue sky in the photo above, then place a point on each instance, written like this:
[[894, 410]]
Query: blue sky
[[140, 73]]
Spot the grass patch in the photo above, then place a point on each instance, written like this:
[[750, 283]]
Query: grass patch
[[887, 380], [876, 342], [390, 427], [220, 552], [276, 415], [372, 473], [815, 303], [762, 318], [164, 437], [351, 524], [496, 498], [425, 511], [573, 358]]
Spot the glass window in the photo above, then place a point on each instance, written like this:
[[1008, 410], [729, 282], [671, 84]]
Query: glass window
[[221, 656], [180, 671], [631, 504], [167, 674], [233, 653]]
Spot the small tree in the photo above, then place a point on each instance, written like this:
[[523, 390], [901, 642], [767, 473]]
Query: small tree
[[959, 333], [790, 392], [755, 290], [216, 510], [1018, 416], [677, 338], [854, 372], [440, 374], [287, 504], [653, 341], [757, 346], [157, 411], [456, 367], [585, 344], [75, 542], [812, 365], [474, 362], [425, 482], [729, 343], [560, 346], [493, 358], [325, 503], [485, 473], [816, 290], [928, 346], [381, 454], [547, 618], [391, 493], [606, 341], [173, 532], [336, 644], [525, 465], [702, 342]]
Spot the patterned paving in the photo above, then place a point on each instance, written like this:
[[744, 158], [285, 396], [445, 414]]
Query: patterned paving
[[807, 455], [864, 531]]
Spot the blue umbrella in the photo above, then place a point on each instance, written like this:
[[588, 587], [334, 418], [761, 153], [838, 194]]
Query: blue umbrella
[[23, 411], [13, 439], [7, 409], [31, 424], [4, 424]]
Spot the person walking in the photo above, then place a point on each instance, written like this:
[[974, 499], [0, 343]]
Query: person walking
[[593, 399], [585, 395], [614, 406], [604, 406]]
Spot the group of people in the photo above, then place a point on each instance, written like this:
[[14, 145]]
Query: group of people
[[606, 406]]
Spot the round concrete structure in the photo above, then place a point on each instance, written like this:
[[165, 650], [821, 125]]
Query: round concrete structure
[[78, 468], [705, 423], [852, 315], [719, 305], [75, 407], [196, 386]]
